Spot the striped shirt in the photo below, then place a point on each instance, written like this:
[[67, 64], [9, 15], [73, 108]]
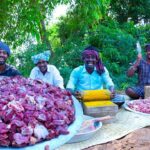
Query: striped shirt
[[143, 71]]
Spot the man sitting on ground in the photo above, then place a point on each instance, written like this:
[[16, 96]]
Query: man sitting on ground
[[93, 75], [142, 68], [44, 71]]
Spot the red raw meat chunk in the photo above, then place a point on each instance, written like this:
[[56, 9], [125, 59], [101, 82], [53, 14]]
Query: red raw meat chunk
[[32, 111], [20, 139]]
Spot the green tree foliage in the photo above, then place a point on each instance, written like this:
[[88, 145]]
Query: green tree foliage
[[84, 14], [22, 19], [101, 23], [23, 60], [135, 10], [117, 47], [145, 31], [67, 56]]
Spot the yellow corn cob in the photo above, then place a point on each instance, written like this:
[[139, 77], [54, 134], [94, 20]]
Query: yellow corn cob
[[92, 95], [98, 103]]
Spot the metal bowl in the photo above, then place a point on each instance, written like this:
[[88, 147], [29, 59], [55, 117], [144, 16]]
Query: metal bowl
[[119, 103], [119, 100]]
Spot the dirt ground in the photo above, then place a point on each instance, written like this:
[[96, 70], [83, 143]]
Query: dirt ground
[[138, 140]]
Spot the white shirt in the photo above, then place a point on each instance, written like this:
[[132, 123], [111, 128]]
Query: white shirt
[[52, 76]]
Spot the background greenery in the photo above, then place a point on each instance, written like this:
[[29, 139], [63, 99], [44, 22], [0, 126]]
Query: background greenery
[[113, 26]]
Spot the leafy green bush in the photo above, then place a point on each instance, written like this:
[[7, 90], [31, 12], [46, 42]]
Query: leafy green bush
[[115, 42], [23, 59], [117, 48]]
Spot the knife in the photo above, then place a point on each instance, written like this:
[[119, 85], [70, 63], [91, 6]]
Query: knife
[[138, 47]]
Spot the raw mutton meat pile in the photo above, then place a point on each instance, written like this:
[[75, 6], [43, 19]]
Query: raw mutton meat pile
[[32, 111], [140, 105]]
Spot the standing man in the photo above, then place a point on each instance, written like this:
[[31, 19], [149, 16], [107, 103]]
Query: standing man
[[44, 71], [92, 75], [5, 69], [142, 68]]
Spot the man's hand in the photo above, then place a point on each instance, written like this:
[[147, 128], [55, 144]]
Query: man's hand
[[134, 67], [78, 95], [112, 90], [139, 57], [112, 95]]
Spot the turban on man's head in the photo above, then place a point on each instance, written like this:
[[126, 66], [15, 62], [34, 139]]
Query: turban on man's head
[[4, 47], [147, 47], [91, 50], [42, 56]]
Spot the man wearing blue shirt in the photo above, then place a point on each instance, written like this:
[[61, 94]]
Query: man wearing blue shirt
[[93, 75]]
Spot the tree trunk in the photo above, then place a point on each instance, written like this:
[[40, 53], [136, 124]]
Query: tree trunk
[[44, 36]]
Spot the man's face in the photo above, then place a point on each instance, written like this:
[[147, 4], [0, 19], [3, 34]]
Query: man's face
[[148, 54], [42, 66], [90, 61], [3, 57]]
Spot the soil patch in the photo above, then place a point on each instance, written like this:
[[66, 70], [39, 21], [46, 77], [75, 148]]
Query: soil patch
[[137, 140]]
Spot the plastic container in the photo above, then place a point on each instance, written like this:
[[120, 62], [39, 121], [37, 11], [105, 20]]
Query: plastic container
[[88, 133]]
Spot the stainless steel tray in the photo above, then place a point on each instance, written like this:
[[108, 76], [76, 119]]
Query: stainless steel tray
[[60, 140], [125, 105]]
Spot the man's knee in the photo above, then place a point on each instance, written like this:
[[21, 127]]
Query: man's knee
[[131, 93]]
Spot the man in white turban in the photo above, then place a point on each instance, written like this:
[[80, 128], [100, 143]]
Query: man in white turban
[[44, 71]]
